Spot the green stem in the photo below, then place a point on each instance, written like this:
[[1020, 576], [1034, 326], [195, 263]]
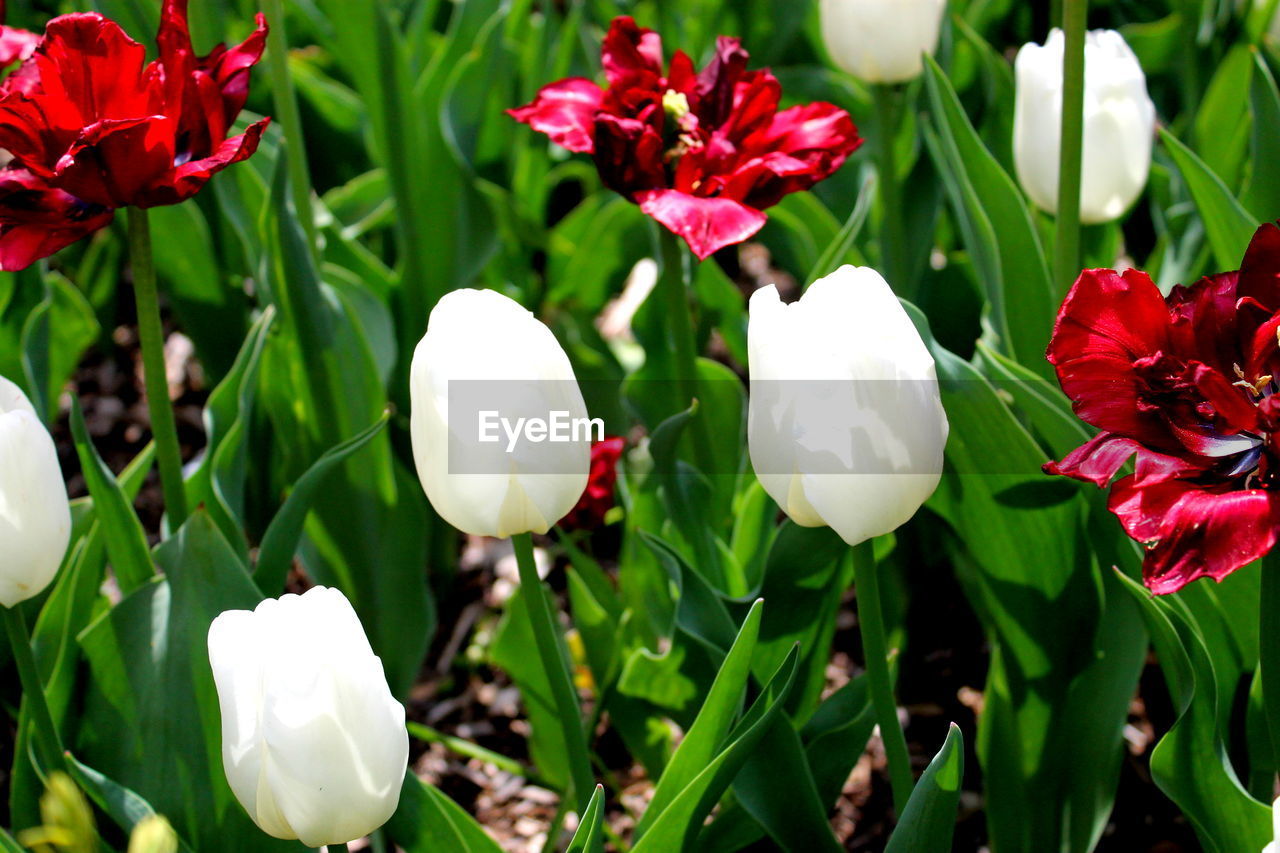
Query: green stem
[[469, 749], [336, 848], [875, 650], [684, 369], [1269, 650], [893, 226], [560, 679], [46, 733], [286, 107], [155, 382], [1070, 164]]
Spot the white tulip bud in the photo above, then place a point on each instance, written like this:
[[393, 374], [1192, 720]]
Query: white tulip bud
[[846, 425], [881, 41], [1119, 125], [35, 517], [313, 743], [1274, 846], [500, 431]]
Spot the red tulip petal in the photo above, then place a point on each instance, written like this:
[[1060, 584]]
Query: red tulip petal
[[37, 220], [189, 178], [628, 154], [1260, 270], [1107, 322], [230, 68], [1097, 461], [1209, 534], [629, 50], [16, 44], [116, 163], [706, 224], [564, 111], [718, 82]]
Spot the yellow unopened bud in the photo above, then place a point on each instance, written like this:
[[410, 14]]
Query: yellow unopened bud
[[153, 835]]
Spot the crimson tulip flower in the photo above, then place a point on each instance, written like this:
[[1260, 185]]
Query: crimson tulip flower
[[91, 127], [597, 499], [1186, 386], [702, 152]]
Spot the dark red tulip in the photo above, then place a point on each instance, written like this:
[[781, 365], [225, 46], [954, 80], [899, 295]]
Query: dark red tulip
[[1185, 385], [703, 152], [597, 499], [91, 126]]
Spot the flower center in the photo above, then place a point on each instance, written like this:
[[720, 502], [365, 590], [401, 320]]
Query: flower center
[[680, 133]]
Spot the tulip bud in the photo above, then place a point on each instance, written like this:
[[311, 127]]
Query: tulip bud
[[846, 426], [313, 743], [881, 41], [483, 375], [35, 517], [1119, 125]]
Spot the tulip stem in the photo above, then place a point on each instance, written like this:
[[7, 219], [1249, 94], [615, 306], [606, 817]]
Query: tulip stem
[[1071, 163], [1269, 651], [684, 341], [893, 226], [154, 376], [558, 674], [875, 651], [46, 733], [286, 102], [336, 848]]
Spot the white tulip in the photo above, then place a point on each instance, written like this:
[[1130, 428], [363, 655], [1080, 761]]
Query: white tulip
[[1119, 125], [1274, 846], [313, 743], [35, 517], [881, 41], [846, 425], [498, 367]]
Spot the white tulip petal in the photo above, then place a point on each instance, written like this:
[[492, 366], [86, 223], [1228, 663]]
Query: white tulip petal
[[314, 744], [846, 426], [881, 41], [35, 516], [494, 488], [1119, 125]]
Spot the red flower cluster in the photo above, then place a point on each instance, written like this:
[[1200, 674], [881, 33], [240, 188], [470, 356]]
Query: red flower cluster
[[1187, 384], [704, 153], [598, 497], [91, 126]]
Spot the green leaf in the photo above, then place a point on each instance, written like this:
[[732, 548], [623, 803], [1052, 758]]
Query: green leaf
[[54, 338], [122, 805], [125, 539], [678, 824], [1221, 127], [777, 788], [280, 542], [150, 691], [1190, 763], [929, 820], [1260, 193], [712, 724], [219, 481], [838, 249], [997, 226], [210, 311], [426, 821], [1228, 224], [588, 835], [8, 844]]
